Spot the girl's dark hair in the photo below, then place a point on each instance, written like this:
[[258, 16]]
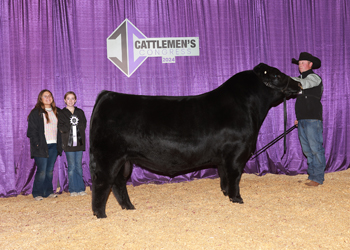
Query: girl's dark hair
[[40, 105]]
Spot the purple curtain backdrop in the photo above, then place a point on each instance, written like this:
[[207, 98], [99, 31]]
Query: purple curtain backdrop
[[61, 45]]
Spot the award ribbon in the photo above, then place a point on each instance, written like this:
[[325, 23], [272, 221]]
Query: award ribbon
[[74, 134]]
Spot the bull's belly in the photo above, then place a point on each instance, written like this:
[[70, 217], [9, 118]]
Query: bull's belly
[[174, 165], [174, 156]]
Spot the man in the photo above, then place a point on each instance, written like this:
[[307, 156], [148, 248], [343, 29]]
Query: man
[[308, 110]]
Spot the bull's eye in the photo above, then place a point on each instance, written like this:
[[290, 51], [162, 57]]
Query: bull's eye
[[265, 72]]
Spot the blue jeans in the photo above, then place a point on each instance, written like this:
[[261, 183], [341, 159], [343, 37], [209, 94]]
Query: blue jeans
[[43, 177], [75, 172], [311, 139]]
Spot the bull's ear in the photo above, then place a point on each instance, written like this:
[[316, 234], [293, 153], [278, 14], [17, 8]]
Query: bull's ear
[[257, 69]]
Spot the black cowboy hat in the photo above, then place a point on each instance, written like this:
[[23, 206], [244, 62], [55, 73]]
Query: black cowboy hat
[[316, 63]]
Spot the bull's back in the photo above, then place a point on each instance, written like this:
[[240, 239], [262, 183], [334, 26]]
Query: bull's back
[[158, 114]]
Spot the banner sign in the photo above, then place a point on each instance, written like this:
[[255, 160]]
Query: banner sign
[[128, 47]]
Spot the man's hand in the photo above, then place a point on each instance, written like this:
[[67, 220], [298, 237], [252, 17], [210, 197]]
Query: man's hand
[[296, 123]]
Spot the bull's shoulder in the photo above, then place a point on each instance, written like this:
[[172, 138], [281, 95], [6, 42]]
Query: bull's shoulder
[[241, 82]]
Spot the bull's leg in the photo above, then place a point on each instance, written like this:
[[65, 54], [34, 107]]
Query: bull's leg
[[119, 187], [234, 170], [223, 179], [100, 191]]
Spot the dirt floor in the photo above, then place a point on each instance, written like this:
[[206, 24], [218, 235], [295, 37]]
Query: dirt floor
[[279, 212]]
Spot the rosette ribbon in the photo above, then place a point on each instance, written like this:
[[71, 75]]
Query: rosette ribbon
[[74, 131]]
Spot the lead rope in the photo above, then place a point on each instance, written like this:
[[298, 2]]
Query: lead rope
[[285, 119], [263, 149], [285, 126], [283, 134], [280, 136]]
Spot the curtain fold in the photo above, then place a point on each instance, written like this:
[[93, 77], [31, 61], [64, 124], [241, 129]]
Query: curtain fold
[[61, 45]]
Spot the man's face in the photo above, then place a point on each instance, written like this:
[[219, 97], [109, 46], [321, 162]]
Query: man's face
[[304, 65]]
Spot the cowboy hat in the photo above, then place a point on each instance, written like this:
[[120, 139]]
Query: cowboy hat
[[316, 63]]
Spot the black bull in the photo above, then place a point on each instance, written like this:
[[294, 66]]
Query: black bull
[[176, 135]]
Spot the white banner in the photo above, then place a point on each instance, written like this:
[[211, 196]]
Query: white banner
[[166, 47]]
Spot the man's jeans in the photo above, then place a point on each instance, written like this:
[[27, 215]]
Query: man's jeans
[[75, 172], [43, 178], [311, 139]]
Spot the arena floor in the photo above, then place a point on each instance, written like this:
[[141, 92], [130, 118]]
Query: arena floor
[[279, 212]]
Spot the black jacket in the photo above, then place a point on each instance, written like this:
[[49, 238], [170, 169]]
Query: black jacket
[[64, 126], [308, 104], [36, 134]]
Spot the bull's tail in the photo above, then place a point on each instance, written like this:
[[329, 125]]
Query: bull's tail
[[98, 100], [92, 164]]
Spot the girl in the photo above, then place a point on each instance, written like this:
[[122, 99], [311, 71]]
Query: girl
[[72, 124], [45, 143]]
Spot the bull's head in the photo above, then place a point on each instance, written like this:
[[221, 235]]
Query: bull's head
[[275, 79]]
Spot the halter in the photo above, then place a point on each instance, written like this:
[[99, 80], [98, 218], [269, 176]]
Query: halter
[[274, 87], [283, 90]]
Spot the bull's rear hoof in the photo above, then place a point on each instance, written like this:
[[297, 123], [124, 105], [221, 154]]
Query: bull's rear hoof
[[129, 208], [237, 200]]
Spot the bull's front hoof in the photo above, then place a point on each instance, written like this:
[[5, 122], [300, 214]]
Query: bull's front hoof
[[237, 200], [100, 215]]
